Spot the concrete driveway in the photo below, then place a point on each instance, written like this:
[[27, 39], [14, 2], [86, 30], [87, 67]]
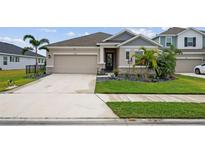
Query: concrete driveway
[[57, 96], [60, 83]]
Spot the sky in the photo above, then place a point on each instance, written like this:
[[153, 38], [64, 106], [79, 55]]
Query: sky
[[14, 35]]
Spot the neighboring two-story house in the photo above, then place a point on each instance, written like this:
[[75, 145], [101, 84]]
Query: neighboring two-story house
[[191, 41], [11, 57]]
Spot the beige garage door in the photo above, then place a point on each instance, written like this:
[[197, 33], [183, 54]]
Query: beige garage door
[[187, 65], [75, 64]]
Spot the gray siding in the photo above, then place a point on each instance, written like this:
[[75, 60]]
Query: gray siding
[[174, 41], [139, 42], [203, 41], [122, 37], [156, 39], [162, 40]]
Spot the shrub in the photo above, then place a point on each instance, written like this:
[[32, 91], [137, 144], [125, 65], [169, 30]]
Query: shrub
[[166, 62], [116, 72]]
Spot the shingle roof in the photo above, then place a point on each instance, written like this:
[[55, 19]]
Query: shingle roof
[[88, 40], [173, 30], [13, 49]]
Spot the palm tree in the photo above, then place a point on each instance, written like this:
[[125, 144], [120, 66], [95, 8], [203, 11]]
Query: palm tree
[[147, 59], [36, 45]]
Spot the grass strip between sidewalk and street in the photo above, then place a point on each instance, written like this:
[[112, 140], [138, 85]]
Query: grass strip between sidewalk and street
[[164, 110]]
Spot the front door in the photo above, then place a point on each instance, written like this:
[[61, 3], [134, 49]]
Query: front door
[[109, 61]]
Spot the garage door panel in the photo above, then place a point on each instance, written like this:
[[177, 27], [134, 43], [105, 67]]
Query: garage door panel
[[187, 65], [76, 64]]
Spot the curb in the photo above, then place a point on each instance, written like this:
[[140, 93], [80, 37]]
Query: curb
[[67, 121]]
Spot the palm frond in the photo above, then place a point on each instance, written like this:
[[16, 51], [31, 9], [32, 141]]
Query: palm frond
[[28, 37], [26, 49], [44, 48], [44, 41]]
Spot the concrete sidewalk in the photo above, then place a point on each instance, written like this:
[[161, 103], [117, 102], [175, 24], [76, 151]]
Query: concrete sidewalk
[[152, 98]]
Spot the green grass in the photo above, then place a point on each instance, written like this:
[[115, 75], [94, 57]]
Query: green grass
[[169, 110], [182, 85], [18, 76]]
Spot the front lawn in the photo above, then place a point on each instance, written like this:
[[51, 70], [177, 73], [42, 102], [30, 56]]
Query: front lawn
[[18, 76], [182, 85], [167, 110]]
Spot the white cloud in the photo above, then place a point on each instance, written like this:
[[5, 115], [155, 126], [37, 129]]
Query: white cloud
[[164, 28], [145, 31], [86, 33], [48, 30], [15, 41], [71, 34]]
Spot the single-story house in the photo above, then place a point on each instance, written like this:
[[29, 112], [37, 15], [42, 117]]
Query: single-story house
[[96, 52], [11, 57]]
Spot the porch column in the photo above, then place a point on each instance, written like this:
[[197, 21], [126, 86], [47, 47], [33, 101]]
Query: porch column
[[102, 55]]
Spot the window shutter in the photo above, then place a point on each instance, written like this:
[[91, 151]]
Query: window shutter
[[194, 41], [185, 41]]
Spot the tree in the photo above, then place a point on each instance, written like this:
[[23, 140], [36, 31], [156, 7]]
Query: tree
[[147, 59], [36, 45], [167, 62]]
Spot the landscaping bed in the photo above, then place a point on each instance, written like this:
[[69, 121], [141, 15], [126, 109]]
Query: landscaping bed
[[180, 85], [163, 110]]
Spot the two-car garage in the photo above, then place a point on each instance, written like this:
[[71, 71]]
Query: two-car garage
[[75, 64], [186, 65]]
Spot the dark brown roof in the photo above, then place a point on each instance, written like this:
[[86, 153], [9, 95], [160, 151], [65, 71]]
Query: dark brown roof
[[173, 30], [13, 49], [88, 40]]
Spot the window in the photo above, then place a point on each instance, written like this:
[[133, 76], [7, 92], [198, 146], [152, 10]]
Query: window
[[5, 62], [127, 55], [11, 58], [168, 41], [17, 59], [139, 52], [190, 41]]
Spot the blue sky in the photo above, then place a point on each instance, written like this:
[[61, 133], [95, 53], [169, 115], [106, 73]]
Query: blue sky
[[15, 35]]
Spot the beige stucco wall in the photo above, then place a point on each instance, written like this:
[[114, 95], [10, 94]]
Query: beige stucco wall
[[122, 55], [73, 51]]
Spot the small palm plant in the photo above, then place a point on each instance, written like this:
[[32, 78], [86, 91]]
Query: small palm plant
[[147, 59], [36, 45]]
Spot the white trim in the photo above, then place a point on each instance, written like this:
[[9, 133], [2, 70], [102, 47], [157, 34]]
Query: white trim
[[159, 40], [68, 47], [190, 28], [137, 36], [26, 56], [193, 53], [49, 66], [131, 66], [81, 54], [135, 47], [167, 35], [101, 63], [166, 41], [125, 30], [188, 58], [108, 43]]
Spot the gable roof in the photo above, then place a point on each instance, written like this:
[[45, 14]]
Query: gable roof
[[13, 49], [87, 40], [143, 37], [178, 30], [117, 34], [173, 30], [194, 29]]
